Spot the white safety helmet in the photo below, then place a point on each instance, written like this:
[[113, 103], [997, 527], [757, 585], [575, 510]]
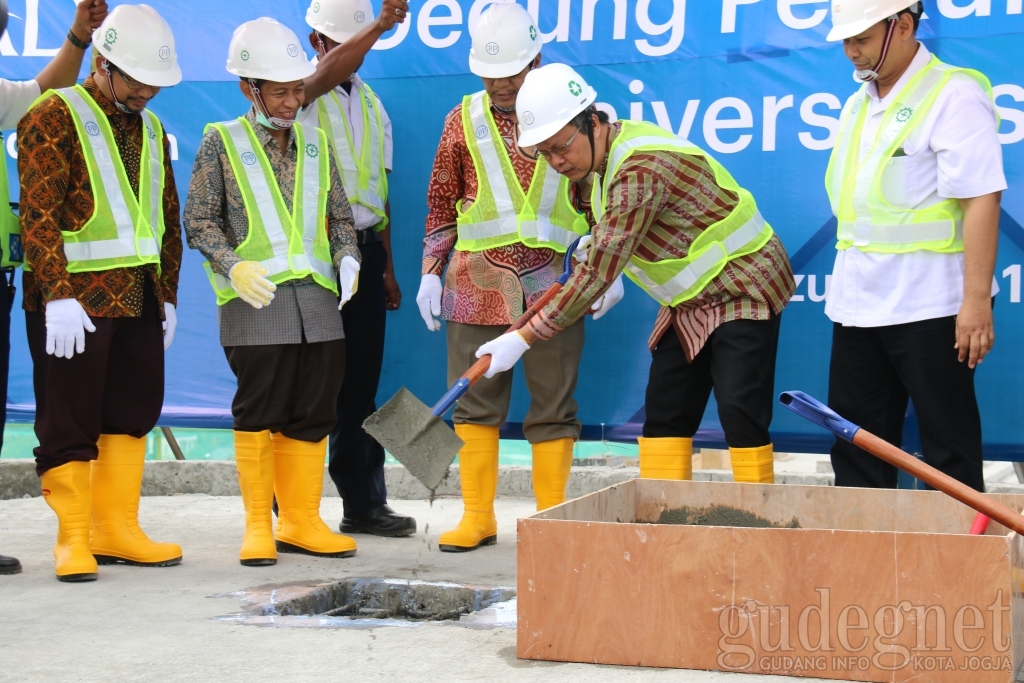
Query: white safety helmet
[[505, 41], [852, 17], [551, 96], [266, 50], [137, 40], [339, 20]]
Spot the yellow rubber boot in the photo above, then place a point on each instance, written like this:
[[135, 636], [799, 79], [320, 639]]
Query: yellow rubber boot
[[753, 465], [298, 483], [254, 459], [478, 473], [66, 490], [116, 488], [552, 461], [666, 458]]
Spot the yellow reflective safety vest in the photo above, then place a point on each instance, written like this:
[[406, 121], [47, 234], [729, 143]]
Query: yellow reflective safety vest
[[857, 183], [10, 230], [502, 213], [290, 245], [742, 232], [124, 231], [365, 178]]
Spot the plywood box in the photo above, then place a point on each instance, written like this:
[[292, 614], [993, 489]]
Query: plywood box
[[903, 591]]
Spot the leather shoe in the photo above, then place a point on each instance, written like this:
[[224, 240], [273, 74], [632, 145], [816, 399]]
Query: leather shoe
[[380, 521], [9, 565]]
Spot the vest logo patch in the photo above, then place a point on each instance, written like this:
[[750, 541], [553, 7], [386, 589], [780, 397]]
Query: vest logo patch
[[481, 132], [903, 115], [151, 133], [492, 48], [248, 158], [312, 151], [92, 129]]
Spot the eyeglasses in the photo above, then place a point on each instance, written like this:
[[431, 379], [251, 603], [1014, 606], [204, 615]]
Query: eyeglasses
[[554, 151], [129, 81]]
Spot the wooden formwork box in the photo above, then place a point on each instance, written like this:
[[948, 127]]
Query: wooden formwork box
[[905, 591]]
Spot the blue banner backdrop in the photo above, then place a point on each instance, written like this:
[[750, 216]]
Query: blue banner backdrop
[[752, 81]]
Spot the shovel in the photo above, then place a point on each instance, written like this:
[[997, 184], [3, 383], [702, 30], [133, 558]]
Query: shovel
[[823, 416], [417, 435]]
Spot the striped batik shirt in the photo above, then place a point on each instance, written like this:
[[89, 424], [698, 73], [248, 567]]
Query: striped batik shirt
[[658, 204]]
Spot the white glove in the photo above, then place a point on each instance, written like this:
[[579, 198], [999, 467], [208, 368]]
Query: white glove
[[66, 323], [429, 301], [612, 296], [582, 251], [505, 351], [247, 279], [170, 324], [348, 277]]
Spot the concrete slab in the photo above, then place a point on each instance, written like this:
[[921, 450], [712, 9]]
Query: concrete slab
[[138, 624]]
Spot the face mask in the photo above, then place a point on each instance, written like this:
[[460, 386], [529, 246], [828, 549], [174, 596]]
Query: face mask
[[274, 122]]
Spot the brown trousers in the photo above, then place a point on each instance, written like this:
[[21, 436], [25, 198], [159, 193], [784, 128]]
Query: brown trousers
[[115, 387], [551, 369]]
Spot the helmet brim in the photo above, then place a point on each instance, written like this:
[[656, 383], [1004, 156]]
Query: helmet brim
[[155, 79], [506, 70], [298, 72], [845, 31]]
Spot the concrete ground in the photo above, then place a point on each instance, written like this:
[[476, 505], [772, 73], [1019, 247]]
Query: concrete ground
[[141, 624]]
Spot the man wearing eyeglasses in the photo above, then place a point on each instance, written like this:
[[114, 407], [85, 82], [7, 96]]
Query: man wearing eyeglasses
[[676, 222], [498, 220], [100, 225]]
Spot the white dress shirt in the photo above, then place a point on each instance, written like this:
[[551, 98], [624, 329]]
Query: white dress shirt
[[953, 154], [15, 99], [364, 218]]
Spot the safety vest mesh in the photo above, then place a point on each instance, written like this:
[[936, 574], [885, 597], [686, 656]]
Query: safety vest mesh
[[867, 218], [365, 179], [290, 245], [742, 232], [502, 213], [10, 230], [124, 231]]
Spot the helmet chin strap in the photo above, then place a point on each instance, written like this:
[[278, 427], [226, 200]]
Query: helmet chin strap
[[263, 116], [113, 93], [868, 75]]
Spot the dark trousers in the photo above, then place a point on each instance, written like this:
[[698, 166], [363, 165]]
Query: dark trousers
[[7, 291], [115, 387], [287, 388], [357, 460], [738, 362], [872, 372]]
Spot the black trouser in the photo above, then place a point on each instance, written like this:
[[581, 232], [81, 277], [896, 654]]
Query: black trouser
[[738, 362], [872, 372], [115, 387], [7, 291], [357, 460], [287, 388]]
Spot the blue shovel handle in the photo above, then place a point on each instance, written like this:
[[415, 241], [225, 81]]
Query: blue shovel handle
[[817, 412], [463, 384]]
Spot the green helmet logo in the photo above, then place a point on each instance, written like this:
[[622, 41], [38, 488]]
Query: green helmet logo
[[316, 7], [903, 115], [575, 88], [312, 151], [245, 55], [110, 37], [533, 32]]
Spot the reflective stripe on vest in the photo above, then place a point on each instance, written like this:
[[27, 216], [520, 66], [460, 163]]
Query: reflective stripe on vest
[[365, 182], [289, 245], [124, 231], [10, 230], [742, 232], [856, 189], [502, 213]]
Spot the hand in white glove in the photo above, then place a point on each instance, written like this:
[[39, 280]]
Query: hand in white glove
[[66, 323], [170, 324], [505, 351], [612, 296], [348, 277], [582, 251], [429, 301]]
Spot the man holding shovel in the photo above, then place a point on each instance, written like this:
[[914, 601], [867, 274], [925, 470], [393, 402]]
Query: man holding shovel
[[499, 220], [681, 228]]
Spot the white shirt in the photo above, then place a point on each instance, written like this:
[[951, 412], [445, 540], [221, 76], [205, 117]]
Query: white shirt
[[15, 99], [364, 218], [953, 154]]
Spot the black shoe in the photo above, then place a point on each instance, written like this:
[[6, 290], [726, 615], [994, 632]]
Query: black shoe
[[381, 521], [10, 565]]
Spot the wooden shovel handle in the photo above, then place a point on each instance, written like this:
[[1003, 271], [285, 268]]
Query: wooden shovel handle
[[480, 367], [939, 481]]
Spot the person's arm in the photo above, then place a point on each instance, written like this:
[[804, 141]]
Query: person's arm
[[170, 250], [205, 219], [62, 71], [340, 225], [975, 331], [446, 189], [338, 65], [392, 292]]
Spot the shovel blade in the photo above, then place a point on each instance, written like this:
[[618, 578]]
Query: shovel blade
[[424, 444]]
